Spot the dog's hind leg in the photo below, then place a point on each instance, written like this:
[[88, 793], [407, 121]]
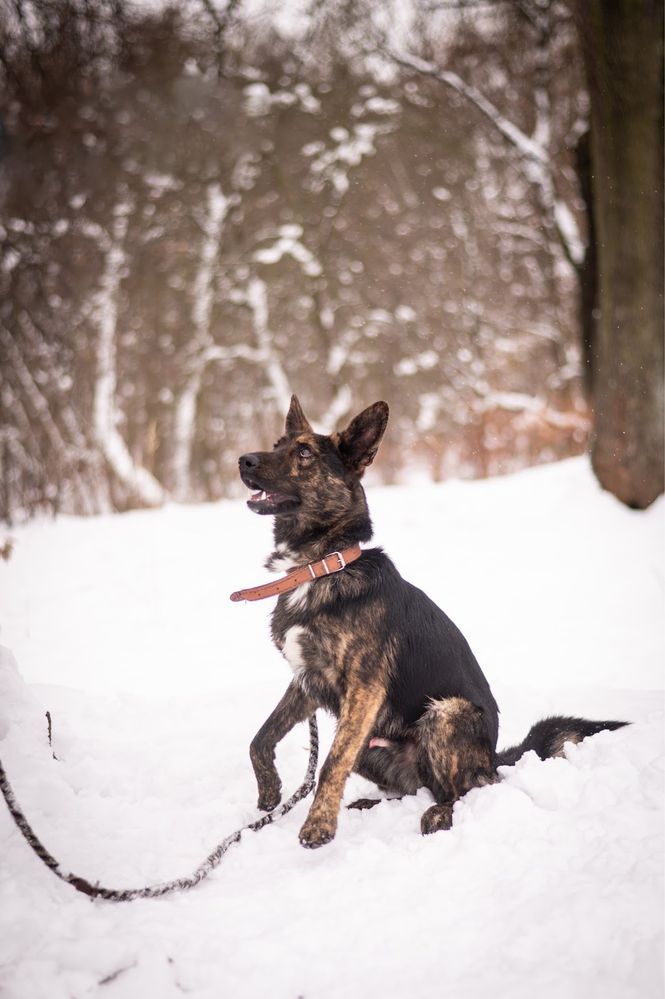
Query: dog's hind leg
[[392, 768], [454, 754], [295, 706], [372, 764]]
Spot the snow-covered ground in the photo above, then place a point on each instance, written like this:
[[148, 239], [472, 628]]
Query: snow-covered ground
[[549, 884]]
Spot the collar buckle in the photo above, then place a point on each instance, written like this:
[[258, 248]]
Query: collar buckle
[[340, 557]]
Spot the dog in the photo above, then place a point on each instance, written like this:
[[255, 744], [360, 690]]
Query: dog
[[413, 706]]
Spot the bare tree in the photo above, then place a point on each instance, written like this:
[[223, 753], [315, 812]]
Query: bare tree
[[144, 489], [206, 242], [201, 350], [623, 55]]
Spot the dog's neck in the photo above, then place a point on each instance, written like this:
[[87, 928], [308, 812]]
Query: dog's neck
[[298, 543]]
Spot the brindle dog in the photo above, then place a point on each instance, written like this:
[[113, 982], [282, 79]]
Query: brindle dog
[[413, 707]]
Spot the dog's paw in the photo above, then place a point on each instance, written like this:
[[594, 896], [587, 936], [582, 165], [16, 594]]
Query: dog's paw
[[436, 817], [270, 794], [316, 833], [269, 797]]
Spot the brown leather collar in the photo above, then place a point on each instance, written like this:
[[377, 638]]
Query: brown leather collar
[[302, 574]]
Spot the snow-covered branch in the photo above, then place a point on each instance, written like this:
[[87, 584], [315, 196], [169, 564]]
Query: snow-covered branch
[[527, 146], [32, 392], [67, 455], [288, 243], [519, 402], [339, 406], [256, 298], [350, 147], [533, 149]]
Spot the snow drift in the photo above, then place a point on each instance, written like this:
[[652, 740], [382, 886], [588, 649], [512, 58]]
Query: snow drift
[[548, 883]]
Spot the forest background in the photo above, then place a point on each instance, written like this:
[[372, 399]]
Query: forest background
[[207, 207]]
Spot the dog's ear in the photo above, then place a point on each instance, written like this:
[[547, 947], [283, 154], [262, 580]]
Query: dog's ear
[[296, 421], [360, 441]]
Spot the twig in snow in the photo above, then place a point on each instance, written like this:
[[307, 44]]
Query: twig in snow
[[107, 979]]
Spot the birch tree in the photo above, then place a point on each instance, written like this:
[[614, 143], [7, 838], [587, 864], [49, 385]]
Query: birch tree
[[201, 350], [143, 488]]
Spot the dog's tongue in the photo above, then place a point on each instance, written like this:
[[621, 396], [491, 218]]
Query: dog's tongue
[[257, 497]]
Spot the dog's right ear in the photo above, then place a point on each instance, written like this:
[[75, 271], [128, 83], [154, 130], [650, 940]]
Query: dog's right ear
[[296, 421]]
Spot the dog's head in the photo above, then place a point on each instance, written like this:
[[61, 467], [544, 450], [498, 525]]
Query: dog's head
[[308, 475]]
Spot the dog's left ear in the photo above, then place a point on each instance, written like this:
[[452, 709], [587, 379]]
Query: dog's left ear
[[296, 421], [360, 441]]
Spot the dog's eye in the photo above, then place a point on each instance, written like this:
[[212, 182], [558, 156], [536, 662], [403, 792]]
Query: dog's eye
[[304, 451]]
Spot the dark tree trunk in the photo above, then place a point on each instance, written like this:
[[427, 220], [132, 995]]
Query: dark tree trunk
[[623, 52]]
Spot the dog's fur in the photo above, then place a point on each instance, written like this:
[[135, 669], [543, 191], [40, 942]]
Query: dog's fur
[[413, 706]]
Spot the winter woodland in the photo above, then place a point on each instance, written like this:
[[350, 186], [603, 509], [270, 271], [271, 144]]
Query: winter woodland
[[205, 209], [206, 206]]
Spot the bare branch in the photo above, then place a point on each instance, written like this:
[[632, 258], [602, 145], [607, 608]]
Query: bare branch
[[520, 140], [534, 154], [222, 22]]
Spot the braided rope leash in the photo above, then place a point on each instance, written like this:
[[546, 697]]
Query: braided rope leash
[[178, 884]]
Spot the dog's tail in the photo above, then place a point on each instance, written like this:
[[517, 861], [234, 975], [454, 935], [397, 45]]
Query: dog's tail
[[547, 737]]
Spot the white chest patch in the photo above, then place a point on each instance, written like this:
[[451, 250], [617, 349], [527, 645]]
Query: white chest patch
[[298, 596], [292, 650], [281, 560]]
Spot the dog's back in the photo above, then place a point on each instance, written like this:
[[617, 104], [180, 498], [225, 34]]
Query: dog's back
[[433, 659]]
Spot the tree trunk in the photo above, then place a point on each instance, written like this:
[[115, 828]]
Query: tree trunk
[[203, 292], [623, 51], [142, 487]]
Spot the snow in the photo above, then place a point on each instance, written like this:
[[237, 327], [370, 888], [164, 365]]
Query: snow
[[549, 883]]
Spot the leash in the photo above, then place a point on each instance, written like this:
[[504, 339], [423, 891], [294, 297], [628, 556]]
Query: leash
[[178, 884], [296, 577]]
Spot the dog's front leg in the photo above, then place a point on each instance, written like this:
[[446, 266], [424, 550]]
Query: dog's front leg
[[294, 707], [359, 709]]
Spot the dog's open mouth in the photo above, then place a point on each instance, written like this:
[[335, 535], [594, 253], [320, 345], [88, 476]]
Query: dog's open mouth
[[271, 502]]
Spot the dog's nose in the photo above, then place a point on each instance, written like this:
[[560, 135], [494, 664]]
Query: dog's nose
[[249, 462]]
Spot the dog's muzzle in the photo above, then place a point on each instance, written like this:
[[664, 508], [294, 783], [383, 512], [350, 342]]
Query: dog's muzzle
[[267, 499]]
